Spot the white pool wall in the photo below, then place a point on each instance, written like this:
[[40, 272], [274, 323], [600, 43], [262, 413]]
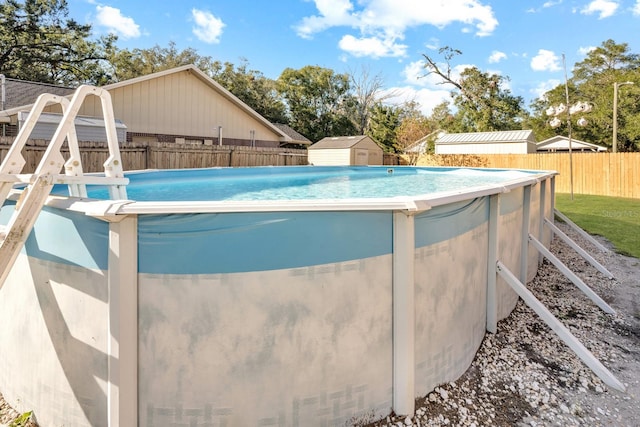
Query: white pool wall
[[305, 345]]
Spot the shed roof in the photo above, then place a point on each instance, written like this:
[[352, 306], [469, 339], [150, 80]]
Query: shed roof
[[487, 137], [337, 142]]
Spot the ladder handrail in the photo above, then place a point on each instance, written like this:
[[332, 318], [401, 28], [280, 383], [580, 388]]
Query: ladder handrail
[[47, 173]]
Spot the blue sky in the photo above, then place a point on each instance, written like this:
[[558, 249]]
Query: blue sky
[[521, 39]]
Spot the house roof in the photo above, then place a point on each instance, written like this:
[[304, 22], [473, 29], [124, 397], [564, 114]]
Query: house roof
[[188, 68], [338, 142], [561, 143], [487, 137], [21, 92], [297, 138], [420, 146]]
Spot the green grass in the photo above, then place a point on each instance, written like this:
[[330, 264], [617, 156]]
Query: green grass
[[615, 218]]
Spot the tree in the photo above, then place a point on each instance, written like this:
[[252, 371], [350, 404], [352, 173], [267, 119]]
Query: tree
[[254, 89], [318, 101], [442, 118], [367, 90], [127, 64], [592, 82], [384, 122], [482, 103], [39, 43]]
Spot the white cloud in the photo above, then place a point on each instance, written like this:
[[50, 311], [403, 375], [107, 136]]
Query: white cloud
[[636, 8], [426, 98], [113, 20], [208, 28], [416, 74], [374, 47], [497, 56], [551, 3], [545, 60], [544, 87], [584, 51], [604, 8], [392, 18]]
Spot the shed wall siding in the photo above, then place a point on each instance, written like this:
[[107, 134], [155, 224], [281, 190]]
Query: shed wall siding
[[330, 157], [375, 152]]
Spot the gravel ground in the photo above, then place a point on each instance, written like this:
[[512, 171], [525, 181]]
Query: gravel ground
[[524, 375]]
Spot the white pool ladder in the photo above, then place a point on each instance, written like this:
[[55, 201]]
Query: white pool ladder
[[39, 184]]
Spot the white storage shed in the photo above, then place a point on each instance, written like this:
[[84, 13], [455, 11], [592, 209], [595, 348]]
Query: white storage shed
[[345, 151], [499, 142]]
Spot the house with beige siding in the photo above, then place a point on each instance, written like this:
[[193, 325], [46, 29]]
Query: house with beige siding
[[180, 105], [345, 151]]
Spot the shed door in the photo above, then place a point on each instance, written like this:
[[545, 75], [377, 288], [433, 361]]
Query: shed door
[[362, 157]]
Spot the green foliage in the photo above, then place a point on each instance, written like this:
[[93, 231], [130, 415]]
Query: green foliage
[[22, 420], [593, 80], [318, 101], [481, 101], [483, 105], [616, 218], [383, 125], [39, 43], [254, 89], [127, 64]]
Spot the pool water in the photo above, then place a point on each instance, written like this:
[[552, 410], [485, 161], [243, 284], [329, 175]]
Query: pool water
[[301, 183]]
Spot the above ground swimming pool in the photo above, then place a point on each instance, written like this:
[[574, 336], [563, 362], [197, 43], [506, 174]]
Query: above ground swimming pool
[[288, 296]]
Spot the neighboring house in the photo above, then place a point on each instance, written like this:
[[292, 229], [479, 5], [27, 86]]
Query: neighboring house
[[297, 139], [422, 145], [561, 144], [501, 142], [345, 151], [182, 104]]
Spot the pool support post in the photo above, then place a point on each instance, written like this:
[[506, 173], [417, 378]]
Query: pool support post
[[122, 364], [403, 313], [492, 257], [524, 236]]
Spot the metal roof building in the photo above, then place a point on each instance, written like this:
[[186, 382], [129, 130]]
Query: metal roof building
[[499, 142], [560, 144]]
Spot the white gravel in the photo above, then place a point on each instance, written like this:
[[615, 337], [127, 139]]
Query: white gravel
[[524, 375]]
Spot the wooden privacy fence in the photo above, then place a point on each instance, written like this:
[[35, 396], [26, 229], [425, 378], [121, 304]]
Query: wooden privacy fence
[[166, 155], [603, 174]]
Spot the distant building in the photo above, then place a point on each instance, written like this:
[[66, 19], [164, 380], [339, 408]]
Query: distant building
[[561, 144], [345, 151], [297, 139], [181, 104], [500, 142]]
